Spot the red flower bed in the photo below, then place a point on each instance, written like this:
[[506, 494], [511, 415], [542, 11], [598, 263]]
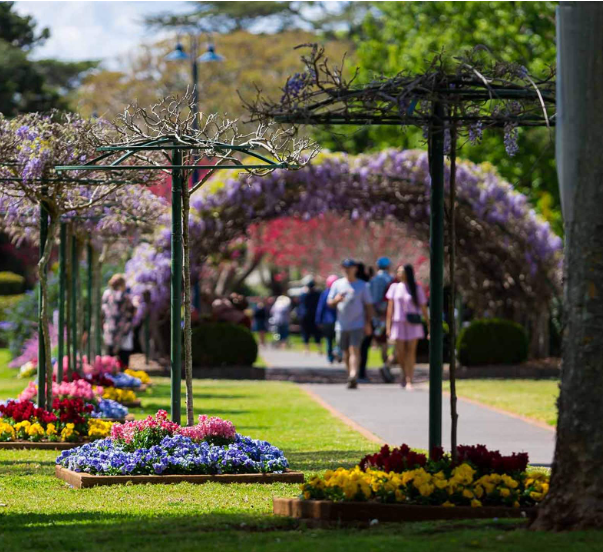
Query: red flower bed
[[483, 460], [394, 460], [74, 411], [20, 411]]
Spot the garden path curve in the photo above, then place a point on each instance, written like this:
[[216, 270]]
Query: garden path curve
[[397, 416]]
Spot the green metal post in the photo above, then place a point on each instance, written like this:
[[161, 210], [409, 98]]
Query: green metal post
[[176, 287], [41, 348], [97, 314], [436, 295], [90, 254], [62, 286], [74, 278]]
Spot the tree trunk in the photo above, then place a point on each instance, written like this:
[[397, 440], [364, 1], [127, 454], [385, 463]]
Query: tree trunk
[[575, 500], [188, 349]]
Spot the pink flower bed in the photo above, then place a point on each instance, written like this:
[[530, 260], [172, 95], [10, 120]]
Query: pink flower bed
[[79, 389], [102, 365], [208, 429]]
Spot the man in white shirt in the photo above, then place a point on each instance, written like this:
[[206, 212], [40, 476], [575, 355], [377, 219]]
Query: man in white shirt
[[353, 301]]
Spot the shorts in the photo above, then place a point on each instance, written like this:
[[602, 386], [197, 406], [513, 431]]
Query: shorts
[[283, 331], [349, 338]]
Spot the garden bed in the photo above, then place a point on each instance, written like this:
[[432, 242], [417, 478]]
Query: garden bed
[[128, 418], [83, 480], [326, 510], [40, 445]]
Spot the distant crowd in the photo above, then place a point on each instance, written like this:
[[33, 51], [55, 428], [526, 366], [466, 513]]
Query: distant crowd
[[353, 310]]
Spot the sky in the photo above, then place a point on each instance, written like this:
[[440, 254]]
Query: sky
[[95, 30]]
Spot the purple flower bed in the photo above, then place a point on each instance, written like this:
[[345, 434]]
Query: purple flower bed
[[175, 455]]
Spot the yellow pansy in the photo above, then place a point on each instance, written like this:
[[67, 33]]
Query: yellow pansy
[[505, 492], [475, 503]]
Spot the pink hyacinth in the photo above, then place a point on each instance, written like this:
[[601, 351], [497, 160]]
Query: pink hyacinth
[[79, 389], [206, 428], [126, 432]]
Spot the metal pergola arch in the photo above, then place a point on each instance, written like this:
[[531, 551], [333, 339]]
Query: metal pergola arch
[[429, 100], [176, 146]]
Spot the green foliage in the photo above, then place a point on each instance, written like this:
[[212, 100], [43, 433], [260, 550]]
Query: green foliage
[[492, 341], [405, 36], [223, 344], [11, 283], [27, 85], [7, 303]]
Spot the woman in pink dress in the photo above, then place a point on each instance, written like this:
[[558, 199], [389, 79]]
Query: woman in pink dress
[[406, 303]]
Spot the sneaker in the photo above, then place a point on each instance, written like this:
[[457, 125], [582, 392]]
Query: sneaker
[[409, 387], [352, 383], [386, 374], [403, 382]]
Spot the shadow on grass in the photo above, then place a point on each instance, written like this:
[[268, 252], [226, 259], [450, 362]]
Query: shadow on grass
[[115, 532], [324, 459], [153, 407]]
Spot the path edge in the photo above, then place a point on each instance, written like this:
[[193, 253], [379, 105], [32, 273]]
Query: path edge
[[342, 417], [531, 421]]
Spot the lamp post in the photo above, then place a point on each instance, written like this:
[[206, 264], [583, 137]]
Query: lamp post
[[209, 56]]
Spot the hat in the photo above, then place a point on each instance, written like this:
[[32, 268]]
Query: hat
[[347, 263], [383, 262], [331, 280]]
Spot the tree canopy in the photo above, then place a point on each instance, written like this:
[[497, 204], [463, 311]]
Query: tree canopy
[[402, 35], [28, 85]]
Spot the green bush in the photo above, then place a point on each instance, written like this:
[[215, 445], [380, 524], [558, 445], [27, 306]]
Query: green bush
[[11, 283], [223, 344], [492, 341], [7, 304]]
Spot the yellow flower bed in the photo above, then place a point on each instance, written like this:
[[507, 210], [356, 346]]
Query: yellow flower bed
[[123, 396], [140, 374], [7, 432], [99, 429], [418, 486]]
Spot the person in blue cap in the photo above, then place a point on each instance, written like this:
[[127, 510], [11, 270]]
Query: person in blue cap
[[354, 303], [379, 284]]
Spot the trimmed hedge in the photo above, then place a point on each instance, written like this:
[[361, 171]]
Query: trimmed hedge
[[492, 341], [11, 283], [223, 344]]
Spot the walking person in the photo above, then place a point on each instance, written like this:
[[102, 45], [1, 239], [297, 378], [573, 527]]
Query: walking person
[[306, 311], [117, 313], [326, 317], [353, 301], [379, 285], [365, 275], [280, 316], [260, 321], [406, 303]]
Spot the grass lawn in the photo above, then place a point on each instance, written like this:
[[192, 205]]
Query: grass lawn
[[530, 398], [40, 513]]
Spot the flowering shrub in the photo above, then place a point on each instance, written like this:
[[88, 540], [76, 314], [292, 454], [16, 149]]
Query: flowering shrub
[[460, 488], [107, 408], [140, 374], [123, 396], [175, 454]]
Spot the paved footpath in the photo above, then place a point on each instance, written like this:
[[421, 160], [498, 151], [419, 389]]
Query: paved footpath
[[398, 416]]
